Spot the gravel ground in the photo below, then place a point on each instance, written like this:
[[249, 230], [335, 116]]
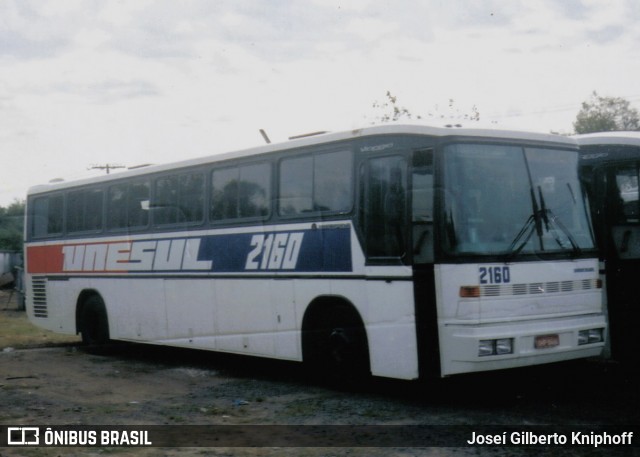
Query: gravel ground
[[140, 385]]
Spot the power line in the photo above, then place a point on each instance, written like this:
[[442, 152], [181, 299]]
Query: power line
[[554, 109], [107, 167]]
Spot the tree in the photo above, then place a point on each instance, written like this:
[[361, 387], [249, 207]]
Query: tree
[[11, 226], [606, 114], [391, 111]]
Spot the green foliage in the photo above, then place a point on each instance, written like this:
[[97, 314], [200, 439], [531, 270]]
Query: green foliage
[[606, 114], [390, 110], [11, 226]]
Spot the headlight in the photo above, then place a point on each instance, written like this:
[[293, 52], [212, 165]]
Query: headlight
[[593, 335], [486, 347], [499, 346], [504, 346]]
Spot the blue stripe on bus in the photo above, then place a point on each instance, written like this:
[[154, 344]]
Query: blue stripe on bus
[[321, 250]]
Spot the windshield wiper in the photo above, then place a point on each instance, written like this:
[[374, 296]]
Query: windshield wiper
[[522, 238], [533, 223], [542, 217], [549, 218]]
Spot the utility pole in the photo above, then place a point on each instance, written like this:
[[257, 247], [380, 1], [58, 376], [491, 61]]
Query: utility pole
[[107, 167]]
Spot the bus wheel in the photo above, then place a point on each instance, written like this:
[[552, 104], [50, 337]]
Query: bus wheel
[[94, 325], [338, 354]]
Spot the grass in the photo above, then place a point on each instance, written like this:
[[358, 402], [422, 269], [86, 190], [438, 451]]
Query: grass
[[17, 332]]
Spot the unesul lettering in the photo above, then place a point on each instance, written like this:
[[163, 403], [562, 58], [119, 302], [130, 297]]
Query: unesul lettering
[[162, 255]]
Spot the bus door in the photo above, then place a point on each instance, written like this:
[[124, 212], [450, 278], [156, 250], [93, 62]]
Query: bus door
[[383, 217], [397, 221], [621, 245]]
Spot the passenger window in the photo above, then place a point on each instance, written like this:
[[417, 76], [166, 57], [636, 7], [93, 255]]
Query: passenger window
[[48, 216], [316, 183], [84, 210], [128, 205], [296, 186], [240, 192], [179, 199]]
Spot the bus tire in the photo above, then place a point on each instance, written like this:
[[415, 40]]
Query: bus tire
[[335, 348], [94, 324]]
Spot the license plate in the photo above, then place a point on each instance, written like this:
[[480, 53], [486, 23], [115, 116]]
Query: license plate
[[547, 341]]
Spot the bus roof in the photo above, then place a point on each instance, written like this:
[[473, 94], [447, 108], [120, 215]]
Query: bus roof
[[609, 138], [318, 139]]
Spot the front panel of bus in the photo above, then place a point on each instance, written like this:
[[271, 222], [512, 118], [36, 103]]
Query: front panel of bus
[[516, 272]]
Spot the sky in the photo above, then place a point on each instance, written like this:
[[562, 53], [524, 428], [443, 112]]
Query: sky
[[86, 83]]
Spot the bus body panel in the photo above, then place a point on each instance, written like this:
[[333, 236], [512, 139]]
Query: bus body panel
[[261, 315], [140, 310], [61, 317], [392, 331]]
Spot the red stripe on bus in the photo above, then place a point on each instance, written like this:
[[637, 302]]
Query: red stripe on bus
[[44, 259]]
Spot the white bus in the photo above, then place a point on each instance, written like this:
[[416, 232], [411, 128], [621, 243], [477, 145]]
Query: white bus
[[610, 168], [399, 251]]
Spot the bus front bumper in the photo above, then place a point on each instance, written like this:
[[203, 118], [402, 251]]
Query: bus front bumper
[[467, 348]]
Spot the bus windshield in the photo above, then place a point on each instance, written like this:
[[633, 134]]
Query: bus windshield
[[510, 200]]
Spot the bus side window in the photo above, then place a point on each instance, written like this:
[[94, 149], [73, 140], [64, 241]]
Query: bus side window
[[623, 211], [128, 205], [422, 192], [84, 210], [240, 192], [47, 218], [316, 183], [625, 196]]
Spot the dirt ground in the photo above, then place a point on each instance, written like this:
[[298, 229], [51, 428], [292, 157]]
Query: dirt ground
[[126, 384]]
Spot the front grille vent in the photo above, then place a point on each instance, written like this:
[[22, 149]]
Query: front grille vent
[[538, 288]]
